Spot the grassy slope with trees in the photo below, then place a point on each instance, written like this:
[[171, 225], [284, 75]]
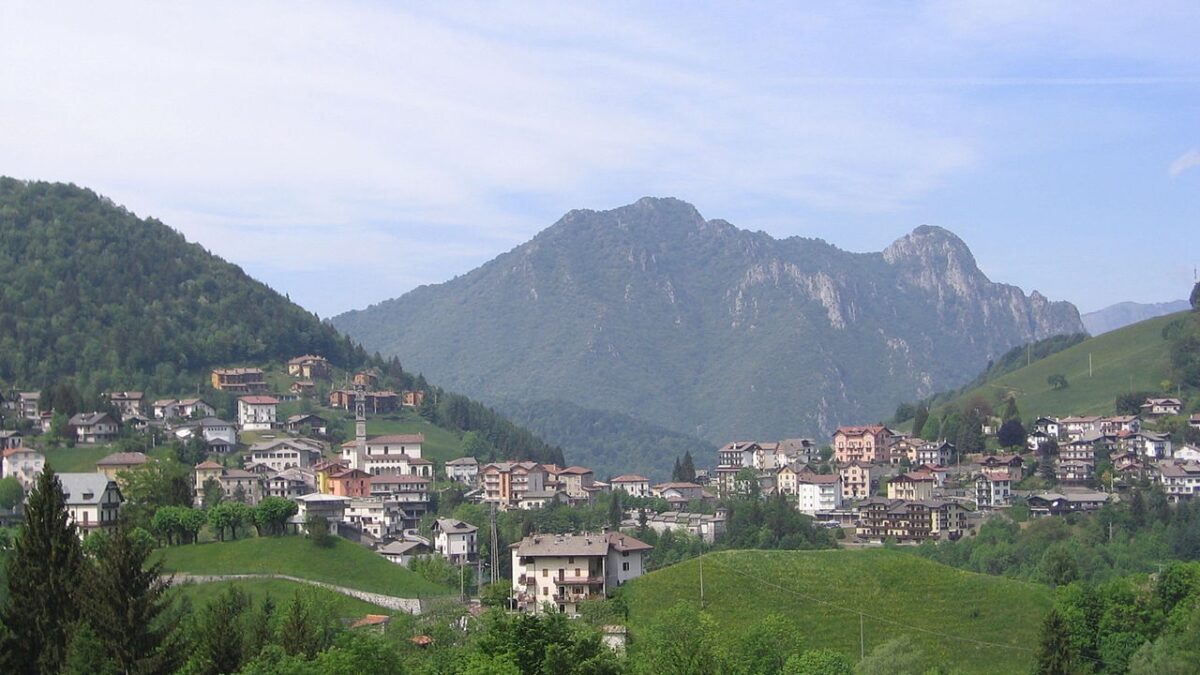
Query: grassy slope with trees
[[343, 563], [609, 443], [819, 593], [1134, 358]]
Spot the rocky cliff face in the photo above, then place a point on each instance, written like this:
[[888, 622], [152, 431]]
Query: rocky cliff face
[[710, 330]]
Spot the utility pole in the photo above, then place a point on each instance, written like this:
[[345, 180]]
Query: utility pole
[[1089, 364], [701, 582], [862, 642], [495, 544]]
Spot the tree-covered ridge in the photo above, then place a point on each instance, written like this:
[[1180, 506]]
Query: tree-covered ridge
[[88, 289], [609, 443]]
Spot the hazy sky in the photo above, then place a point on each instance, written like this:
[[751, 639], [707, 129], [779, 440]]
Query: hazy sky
[[416, 141]]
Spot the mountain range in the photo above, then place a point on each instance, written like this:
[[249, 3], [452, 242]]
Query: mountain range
[[699, 327], [1126, 313]]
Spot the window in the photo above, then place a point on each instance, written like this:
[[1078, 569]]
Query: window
[[545, 572], [625, 567], [545, 590]]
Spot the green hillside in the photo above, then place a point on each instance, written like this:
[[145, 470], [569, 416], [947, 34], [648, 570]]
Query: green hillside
[[89, 290], [344, 564], [281, 592], [950, 614], [1134, 358]]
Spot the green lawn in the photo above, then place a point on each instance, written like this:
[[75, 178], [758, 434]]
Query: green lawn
[[82, 458], [820, 593], [281, 592], [344, 564], [1132, 358]]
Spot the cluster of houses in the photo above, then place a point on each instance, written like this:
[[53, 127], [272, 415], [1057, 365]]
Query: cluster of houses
[[928, 496], [377, 489]]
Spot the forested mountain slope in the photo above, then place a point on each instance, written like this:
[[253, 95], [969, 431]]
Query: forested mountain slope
[[88, 289]]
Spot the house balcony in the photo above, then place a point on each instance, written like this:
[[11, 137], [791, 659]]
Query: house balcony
[[577, 597], [580, 581]]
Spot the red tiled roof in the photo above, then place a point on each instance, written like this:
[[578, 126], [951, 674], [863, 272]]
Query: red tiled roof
[[259, 400]]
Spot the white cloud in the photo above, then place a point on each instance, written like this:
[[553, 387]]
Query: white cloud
[[452, 133], [1187, 160]]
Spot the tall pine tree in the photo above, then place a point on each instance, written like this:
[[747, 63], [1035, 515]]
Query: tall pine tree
[[126, 604], [687, 468], [44, 573], [1055, 654]]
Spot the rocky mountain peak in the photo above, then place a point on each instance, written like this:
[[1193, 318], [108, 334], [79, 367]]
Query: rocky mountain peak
[[930, 244]]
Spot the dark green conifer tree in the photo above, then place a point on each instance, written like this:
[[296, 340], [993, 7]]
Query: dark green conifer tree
[[126, 604], [616, 512], [43, 579], [1055, 654], [687, 469]]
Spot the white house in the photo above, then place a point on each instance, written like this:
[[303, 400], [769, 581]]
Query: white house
[[1188, 453], [395, 454], [1180, 480], [563, 570], [708, 527], [463, 470], [96, 427], [29, 405], [290, 483], [818, 492], [379, 517], [633, 485], [330, 507], [212, 429], [257, 412], [1150, 444], [455, 540], [993, 489], [24, 464], [92, 500], [284, 453], [1161, 407], [403, 552]]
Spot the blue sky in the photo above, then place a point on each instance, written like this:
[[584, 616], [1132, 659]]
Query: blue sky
[[1060, 140]]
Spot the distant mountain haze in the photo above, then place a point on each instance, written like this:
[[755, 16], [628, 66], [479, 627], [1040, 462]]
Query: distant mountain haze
[[1126, 313], [708, 330]]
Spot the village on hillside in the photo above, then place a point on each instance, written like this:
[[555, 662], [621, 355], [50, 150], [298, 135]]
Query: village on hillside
[[868, 483]]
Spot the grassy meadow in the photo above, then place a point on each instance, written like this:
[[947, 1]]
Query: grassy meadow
[[1133, 358], [949, 613], [344, 563]]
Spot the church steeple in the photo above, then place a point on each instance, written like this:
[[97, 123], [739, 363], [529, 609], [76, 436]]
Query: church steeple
[[360, 424]]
